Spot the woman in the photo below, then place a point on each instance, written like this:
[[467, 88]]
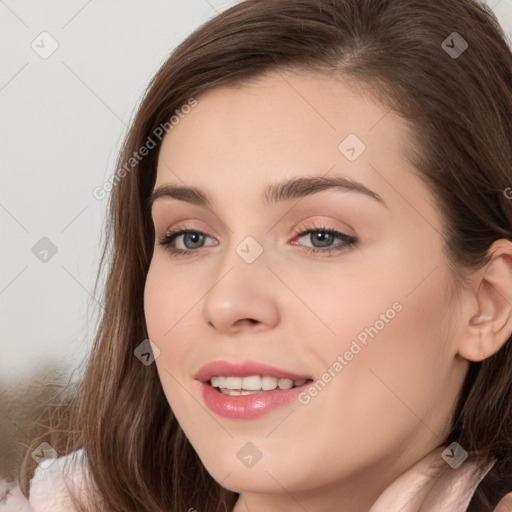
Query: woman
[[311, 222]]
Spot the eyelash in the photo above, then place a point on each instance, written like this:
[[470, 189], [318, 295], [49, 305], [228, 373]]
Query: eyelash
[[349, 241]]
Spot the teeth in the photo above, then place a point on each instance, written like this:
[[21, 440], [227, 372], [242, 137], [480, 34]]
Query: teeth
[[218, 382], [269, 383], [237, 392], [285, 384], [253, 383], [233, 382]]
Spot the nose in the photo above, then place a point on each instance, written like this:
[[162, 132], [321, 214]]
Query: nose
[[242, 297]]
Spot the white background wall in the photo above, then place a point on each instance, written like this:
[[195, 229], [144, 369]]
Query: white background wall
[[61, 122]]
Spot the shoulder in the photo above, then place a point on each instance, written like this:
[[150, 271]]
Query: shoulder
[[54, 485]]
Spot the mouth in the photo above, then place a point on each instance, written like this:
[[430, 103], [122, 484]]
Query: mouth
[[248, 390], [253, 384]]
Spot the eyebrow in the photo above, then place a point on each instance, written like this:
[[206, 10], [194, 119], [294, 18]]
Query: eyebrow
[[293, 188]]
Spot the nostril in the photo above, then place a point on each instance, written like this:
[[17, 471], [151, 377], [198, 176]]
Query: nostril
[[248, 320]]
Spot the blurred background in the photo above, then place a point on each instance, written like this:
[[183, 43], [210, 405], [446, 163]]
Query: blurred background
[[72, 74]]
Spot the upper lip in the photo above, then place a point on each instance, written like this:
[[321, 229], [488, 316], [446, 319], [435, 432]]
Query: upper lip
[[245, 369]]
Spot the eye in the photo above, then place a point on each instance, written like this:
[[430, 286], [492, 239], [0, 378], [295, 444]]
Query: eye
[[191, 237], [324, 238], [193, 240]]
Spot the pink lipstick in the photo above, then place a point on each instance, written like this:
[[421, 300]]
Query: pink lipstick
[[248, 390]]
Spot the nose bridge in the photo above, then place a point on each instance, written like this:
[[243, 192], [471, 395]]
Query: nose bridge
[[246, 237], [241, 290]]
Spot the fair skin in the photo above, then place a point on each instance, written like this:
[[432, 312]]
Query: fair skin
[[390, 405]]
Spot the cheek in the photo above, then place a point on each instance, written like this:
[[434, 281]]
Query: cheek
[[167, 303], [170, 309], [391, 333], [396, 367], [156, 306], [165, 309]]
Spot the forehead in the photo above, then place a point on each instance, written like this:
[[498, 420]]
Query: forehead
[[280, 126]]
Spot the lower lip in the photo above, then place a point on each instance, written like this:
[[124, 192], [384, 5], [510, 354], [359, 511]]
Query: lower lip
[[246, 407]]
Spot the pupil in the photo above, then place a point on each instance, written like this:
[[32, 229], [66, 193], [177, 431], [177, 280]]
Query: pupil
[[197, 236], [322, 236]]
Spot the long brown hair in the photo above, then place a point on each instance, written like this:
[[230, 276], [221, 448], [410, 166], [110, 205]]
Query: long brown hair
[[460, 111]]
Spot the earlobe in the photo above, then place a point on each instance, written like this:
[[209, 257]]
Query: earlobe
[[491, 326]]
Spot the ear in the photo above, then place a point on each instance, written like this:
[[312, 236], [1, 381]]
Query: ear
[[489, 322]]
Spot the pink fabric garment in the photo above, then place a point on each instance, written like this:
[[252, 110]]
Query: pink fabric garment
[[51, 489], [433, 486]]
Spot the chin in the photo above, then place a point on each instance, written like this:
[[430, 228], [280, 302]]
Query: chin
[[248, 482], [262, 477]]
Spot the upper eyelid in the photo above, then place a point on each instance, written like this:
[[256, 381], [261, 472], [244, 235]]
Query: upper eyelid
[[316, 219], [316, 225]]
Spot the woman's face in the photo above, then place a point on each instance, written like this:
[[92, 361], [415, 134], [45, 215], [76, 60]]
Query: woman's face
[[371, 323]]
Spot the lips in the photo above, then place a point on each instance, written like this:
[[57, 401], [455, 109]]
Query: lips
[[247, 406], [247, 369]]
